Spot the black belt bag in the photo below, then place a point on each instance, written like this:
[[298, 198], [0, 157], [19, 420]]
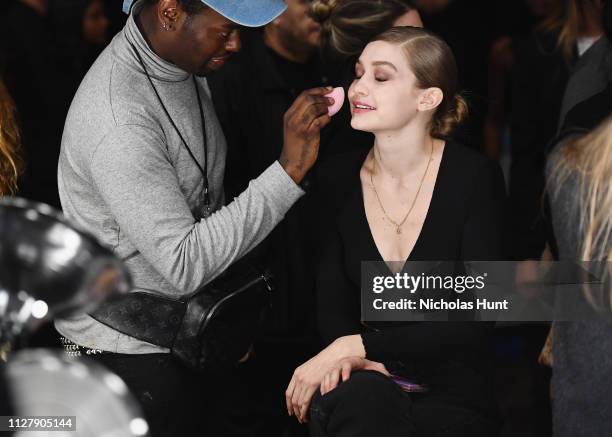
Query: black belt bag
[[212, 329]]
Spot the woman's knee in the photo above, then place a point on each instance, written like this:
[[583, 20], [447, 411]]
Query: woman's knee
[[366, 383], [363, 390], [367, 400]]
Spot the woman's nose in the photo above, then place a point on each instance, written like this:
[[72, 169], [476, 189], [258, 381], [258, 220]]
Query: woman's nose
[[359, 87]]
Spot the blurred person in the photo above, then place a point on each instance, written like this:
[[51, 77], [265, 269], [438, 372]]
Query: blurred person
[[10, 145], [95, 24], [588, 112], [80, 33], [273, 67], [347, 26], [30, 77], [588, 95], [141, 168], [500, 67], [593, 50], [577, 24], [579, 176], [116, 18], [542, 67], [417, 195]]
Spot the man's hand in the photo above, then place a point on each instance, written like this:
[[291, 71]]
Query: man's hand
[[303, 122]]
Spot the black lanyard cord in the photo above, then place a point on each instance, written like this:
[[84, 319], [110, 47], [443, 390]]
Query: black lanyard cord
[[204, 141]]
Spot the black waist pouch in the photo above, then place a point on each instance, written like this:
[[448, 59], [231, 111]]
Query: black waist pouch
[[212, 329]]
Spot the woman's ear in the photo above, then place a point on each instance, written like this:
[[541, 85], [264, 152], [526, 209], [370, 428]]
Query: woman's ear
[[430, 99]]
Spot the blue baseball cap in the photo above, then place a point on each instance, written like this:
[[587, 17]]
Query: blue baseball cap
[[250, 13]]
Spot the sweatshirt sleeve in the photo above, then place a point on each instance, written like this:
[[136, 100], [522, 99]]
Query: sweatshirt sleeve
[[138, 182]]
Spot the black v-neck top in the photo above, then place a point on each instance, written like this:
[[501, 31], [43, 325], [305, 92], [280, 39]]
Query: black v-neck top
[[466, 221]]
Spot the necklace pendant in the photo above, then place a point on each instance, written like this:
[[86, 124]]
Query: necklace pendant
[[398, 230]]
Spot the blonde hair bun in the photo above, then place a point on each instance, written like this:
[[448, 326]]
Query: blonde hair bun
[[322, 9]]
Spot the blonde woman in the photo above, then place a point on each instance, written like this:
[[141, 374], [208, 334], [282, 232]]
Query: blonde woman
[[348, 25], [416, 195], [580, 189], [10, 160], [577, 24]]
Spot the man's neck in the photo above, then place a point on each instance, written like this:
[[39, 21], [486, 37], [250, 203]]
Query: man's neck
[[40, 6], [272, 39]]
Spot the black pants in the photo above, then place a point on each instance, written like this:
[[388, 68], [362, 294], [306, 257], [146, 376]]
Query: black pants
[[370, 405], [177, 401]]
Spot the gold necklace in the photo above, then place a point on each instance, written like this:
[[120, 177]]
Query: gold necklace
[[398, 226]]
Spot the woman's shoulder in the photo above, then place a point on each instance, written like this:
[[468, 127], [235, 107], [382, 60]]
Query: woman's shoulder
[[466, 175]]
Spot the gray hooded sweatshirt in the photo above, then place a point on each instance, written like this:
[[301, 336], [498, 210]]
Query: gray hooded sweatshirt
[[125, 176]]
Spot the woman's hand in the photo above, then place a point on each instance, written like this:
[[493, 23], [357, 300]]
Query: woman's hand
[[308, 377], [345, 367], [305, 381]]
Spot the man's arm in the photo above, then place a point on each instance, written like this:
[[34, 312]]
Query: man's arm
[[139, 184], [136, 179]]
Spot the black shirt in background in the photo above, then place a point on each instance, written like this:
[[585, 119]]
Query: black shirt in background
[[251, 94], [539, 77], [466, 221], [296, 77]]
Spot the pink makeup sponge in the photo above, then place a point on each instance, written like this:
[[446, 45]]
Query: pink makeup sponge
[[338, 95]]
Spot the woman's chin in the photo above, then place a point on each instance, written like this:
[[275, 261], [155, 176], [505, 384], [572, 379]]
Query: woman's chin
[[359, 125]]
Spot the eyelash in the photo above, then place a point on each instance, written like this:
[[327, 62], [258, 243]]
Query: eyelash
[[375, 78]]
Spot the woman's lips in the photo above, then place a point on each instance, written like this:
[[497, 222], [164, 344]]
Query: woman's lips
[[363, 108]]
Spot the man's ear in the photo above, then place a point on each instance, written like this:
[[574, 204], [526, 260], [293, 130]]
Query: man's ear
[[168, 13], [430, 99]]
